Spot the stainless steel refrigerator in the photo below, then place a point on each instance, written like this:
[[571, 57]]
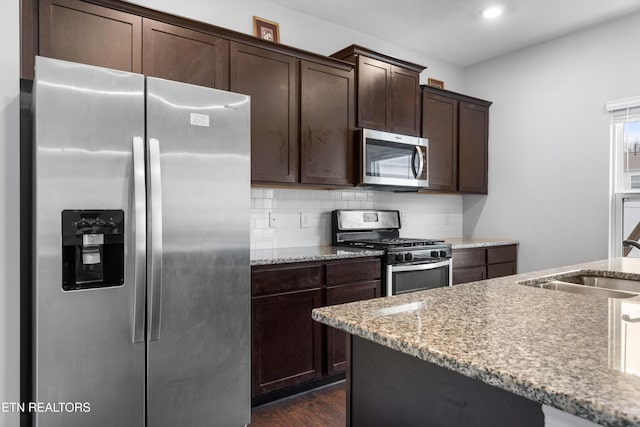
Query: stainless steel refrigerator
[[141, 250]]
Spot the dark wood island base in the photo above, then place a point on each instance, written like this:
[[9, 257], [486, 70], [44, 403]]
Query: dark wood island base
[[388, 388]]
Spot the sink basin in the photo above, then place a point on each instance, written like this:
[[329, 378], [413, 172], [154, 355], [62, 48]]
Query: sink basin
[[579, 282], [605, 282], [558, 285]]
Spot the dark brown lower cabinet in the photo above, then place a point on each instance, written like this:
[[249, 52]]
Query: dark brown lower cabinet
[[469, 274], [472, 264], [337, 340], [290, 350], [286, 341]]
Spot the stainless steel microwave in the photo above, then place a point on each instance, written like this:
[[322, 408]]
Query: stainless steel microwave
[[392, 161]]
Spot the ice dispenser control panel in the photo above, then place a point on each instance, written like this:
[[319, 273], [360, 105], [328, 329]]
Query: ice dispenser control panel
[[92, 249]]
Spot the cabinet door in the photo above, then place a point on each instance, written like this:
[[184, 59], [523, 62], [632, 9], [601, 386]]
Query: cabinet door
[[188, 56], [271, 80], [404, 101], [326, 117], [471, 274], [373, 93], [501, 269], [337, 340], [473, 146], [440, 126], [472, 257], [286, 342], [89, 34]]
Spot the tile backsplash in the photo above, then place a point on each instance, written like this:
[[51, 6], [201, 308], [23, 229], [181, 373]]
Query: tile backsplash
[[283, 218]]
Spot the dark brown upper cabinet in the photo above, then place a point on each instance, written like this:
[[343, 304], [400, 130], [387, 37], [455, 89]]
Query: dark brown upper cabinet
[[90, 34], [473, 140], [387, 91], [326, 118], [440, 126], [175, 53], [457, 127], [302, 104], [301, 115], [271, 79]]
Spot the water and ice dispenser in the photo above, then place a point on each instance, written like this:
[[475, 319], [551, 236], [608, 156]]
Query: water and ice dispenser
[[92, 249]]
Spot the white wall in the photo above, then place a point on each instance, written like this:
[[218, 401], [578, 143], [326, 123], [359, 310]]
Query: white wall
[[549, 142], [9, 211], [301, 31]]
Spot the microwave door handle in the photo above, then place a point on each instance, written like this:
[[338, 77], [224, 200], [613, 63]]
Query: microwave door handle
[[140, 239], [417, 171], [154, 266]]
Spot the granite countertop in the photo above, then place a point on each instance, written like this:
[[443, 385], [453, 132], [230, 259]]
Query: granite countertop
[[563, 350], [306, 254], [468, 242], [322, 253]]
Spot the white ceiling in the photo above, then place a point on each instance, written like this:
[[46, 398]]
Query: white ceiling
[[453, 31]]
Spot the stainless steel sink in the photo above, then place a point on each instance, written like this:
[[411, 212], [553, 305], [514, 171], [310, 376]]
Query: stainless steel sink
[[579, 282], [558, 285], [605, 282]]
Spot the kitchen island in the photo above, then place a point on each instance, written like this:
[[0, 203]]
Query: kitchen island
[[493, 352]]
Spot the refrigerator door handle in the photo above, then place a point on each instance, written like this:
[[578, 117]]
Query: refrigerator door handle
[[140, 242], [155, 245]]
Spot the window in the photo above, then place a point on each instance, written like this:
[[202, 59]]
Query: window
[[624, 218]]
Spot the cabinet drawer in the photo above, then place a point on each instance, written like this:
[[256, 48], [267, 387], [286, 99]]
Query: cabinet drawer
[[468, 257], [501, 269], [472, 274], [284, 279], [353, 271], [500, 254]]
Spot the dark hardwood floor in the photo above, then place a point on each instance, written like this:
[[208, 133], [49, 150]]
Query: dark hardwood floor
[[324, 407]]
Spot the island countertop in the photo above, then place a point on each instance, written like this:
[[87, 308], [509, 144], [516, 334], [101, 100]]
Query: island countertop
[[560, 349]]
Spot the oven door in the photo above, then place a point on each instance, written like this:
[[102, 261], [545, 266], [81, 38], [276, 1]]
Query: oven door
[[405, 278]]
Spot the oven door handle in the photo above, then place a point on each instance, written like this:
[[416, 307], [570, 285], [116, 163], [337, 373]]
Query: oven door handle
[[416, 267]]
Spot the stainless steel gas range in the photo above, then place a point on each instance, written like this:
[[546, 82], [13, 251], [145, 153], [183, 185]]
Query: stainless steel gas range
[[410, 264]]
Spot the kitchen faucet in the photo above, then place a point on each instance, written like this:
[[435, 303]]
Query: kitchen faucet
[[631, 243]]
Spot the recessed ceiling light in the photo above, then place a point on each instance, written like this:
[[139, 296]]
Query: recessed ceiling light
[[491, 12]]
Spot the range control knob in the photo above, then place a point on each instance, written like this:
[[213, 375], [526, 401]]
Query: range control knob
[[400, 257], [443, 254], [408, 257], [434, 254]]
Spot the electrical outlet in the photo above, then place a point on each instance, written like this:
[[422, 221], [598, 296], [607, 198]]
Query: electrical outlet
[[305, 220], [446, 219], [273, 220], [403, 219]]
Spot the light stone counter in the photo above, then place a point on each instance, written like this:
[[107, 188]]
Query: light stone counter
[[322, 253], [306, 254], [467, 242], [560, 349]]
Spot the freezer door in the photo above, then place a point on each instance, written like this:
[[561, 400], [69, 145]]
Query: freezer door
[[198, 259], [84, 351]]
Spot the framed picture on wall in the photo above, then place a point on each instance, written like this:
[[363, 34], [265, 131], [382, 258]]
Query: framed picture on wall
[[435, 83], [266, 30]]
